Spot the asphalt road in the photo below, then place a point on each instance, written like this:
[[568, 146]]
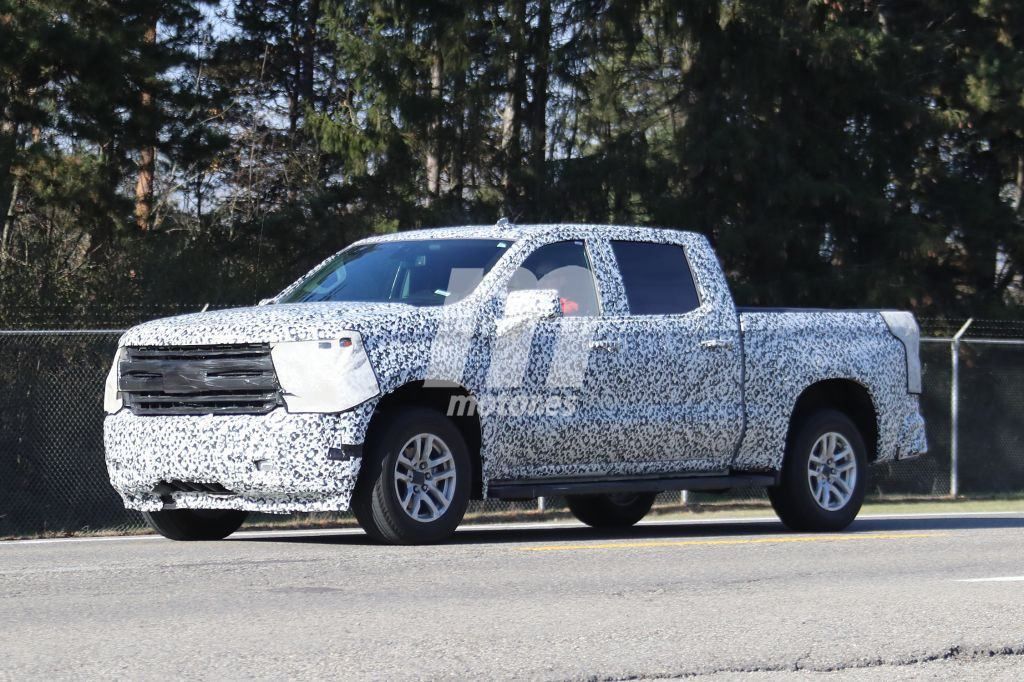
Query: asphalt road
[[887, 600]]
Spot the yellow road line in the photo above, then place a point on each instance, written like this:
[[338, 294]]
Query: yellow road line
[[738, 541]]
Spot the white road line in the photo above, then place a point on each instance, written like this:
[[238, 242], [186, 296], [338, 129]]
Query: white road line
[[525, 525], [1003, 579]]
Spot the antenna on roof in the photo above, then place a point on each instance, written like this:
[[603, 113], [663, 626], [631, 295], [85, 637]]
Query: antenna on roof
[[502, 222]]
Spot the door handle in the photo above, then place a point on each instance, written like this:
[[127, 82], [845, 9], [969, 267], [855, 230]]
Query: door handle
[[716, 344], [605, 345]]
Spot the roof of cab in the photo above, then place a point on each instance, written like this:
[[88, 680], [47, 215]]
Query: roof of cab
[[512, 232]]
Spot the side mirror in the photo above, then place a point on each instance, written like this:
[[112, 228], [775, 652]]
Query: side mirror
[[531, 304], [540, 304]]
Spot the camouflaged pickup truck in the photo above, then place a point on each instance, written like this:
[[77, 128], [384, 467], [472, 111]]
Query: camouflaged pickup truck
[[413, 372]]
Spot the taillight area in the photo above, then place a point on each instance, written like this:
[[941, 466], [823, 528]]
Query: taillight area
[[904, 327]]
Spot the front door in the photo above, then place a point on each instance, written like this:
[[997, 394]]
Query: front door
[[539, 397]]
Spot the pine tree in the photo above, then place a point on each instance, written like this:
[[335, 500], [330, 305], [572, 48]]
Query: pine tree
[[837, 153]]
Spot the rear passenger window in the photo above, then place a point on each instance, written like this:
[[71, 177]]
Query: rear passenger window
[[657, 278]]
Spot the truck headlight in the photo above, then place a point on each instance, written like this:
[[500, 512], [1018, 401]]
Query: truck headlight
[[112, 402], [324, 376], [903, 326]]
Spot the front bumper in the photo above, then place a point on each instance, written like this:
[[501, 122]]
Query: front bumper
[[277, 463]]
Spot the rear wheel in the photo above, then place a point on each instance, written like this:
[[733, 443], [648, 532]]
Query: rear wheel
[[195, 524], [823, 475], [618, 510], [414, 487]]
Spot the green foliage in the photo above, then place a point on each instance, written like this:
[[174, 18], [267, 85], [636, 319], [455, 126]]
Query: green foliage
[[838, 153]]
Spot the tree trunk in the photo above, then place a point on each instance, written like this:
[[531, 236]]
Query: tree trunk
[[8, 181], [147, 156], [434, 129], [309, 41], [293, 83], [511, 144], [539, 103], [8, 220], [1018, 204], [458, 163]]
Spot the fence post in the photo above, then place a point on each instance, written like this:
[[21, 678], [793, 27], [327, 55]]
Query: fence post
[[954, 410]]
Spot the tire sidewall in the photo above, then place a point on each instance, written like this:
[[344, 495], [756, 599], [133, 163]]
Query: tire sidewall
[[795, 482], [399, 526], [195, 524], [604, 511]]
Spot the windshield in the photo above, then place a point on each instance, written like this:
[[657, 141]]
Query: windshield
[[420, 273]]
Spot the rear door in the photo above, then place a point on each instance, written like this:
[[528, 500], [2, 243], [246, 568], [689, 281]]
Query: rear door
[[671, 360]]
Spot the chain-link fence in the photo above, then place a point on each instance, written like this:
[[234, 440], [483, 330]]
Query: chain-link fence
[[52, 472], [53, 478]]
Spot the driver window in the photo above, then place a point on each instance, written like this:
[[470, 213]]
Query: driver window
[[562, 266]]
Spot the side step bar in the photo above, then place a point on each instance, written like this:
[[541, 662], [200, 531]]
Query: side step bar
[[540, 488]]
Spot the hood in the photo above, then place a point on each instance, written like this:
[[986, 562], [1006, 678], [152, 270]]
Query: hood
[[269, 324]]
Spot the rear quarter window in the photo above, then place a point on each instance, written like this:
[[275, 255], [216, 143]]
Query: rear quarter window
[[657, 278]]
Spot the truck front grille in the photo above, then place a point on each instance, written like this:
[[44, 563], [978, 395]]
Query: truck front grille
[[199, 380]]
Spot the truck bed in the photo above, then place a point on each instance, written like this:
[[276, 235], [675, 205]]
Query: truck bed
[[786, 349]]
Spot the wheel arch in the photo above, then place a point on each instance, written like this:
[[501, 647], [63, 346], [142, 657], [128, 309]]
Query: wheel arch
[[848, 396], [438, 396]]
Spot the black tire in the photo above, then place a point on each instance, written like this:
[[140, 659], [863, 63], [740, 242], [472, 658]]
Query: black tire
[[793, 499], [376, 502], [620, 510], [195, 524]]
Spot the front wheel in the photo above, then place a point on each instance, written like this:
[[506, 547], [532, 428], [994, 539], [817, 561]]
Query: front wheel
[[195, 524], [415, 483], [823, 476], [619, 510]]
